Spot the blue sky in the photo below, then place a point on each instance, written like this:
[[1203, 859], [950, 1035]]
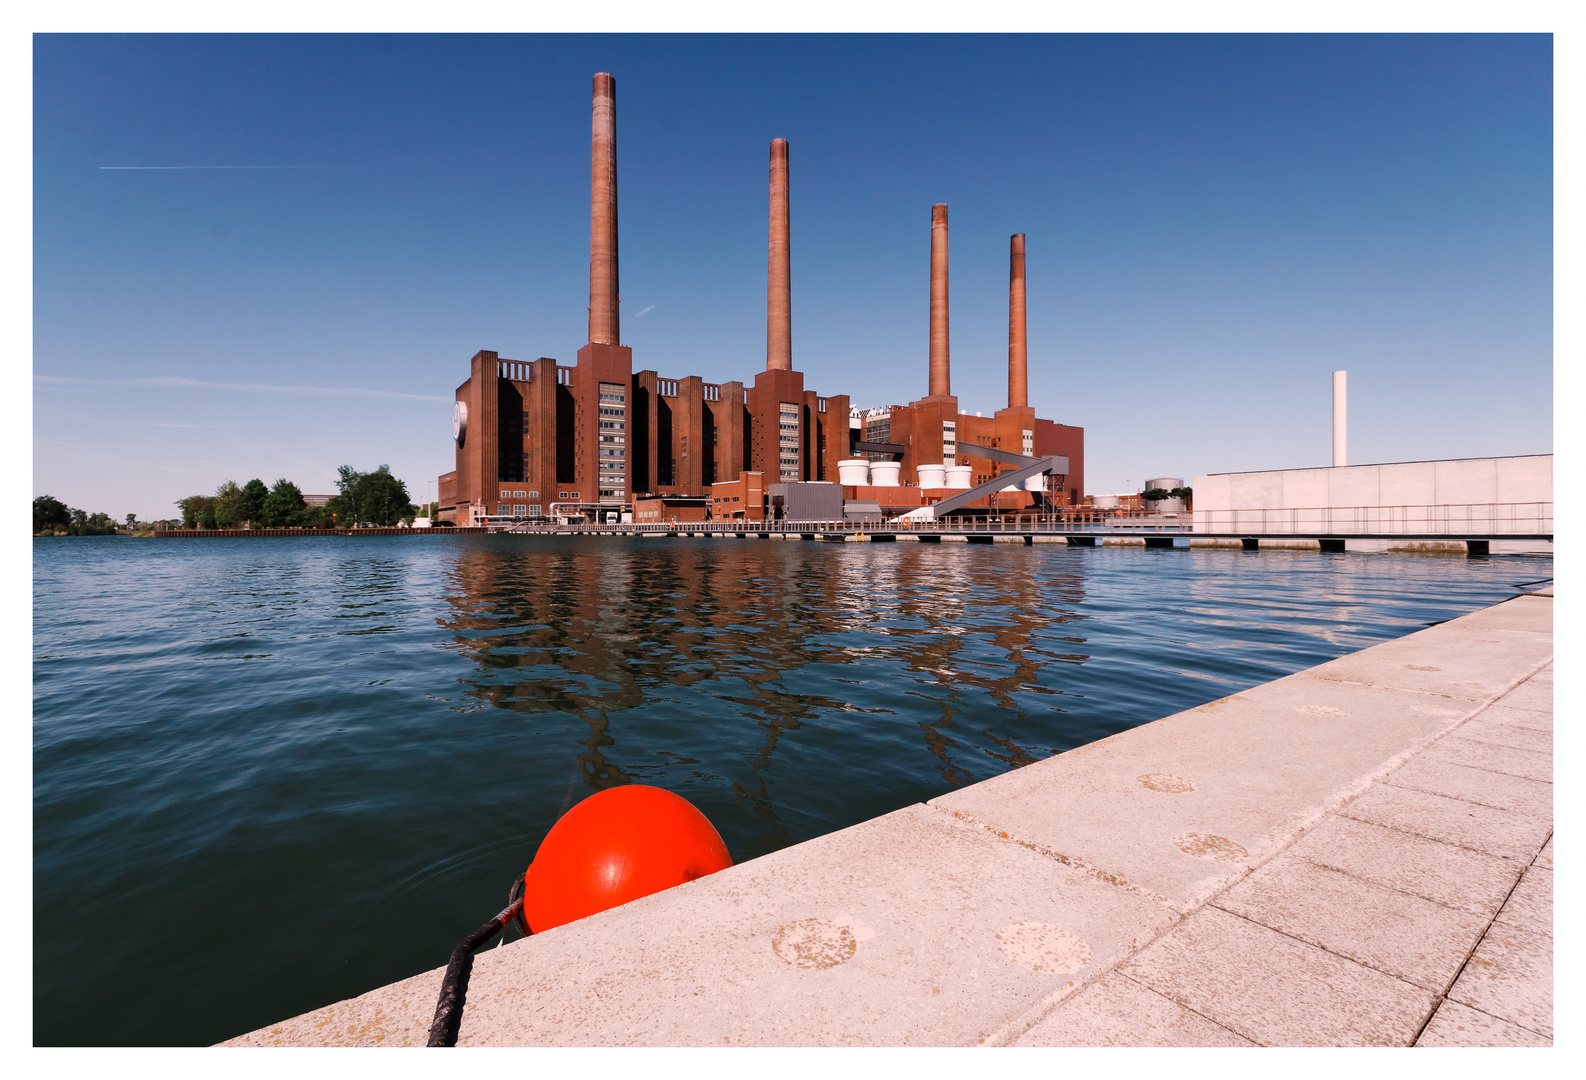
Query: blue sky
[[1214, 224]]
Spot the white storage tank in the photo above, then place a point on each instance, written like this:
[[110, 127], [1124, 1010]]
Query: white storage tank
[[884, 473], [855, 471], [959, 476], [1105, 502], [932, 476], [1035, 483]]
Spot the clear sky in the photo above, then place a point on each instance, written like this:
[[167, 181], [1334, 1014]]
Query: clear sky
[[1214, 225]]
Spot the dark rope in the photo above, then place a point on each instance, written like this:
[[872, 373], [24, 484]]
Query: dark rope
[[454, 987]]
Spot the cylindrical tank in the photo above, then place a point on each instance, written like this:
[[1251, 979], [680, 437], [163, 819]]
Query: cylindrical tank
[[1166, 483], [1105, 502], [959, 476], [855, 471], [932, 476], [1035, 483], [884, 473]]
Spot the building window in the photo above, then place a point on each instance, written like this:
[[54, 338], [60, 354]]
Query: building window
[[534, 494], [534, 509], [561, 494], [949, 442], [520, 510], [1029, 444], [788, 442], [501, 509]]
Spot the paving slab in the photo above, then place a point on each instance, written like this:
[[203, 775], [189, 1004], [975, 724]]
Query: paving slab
[[1536, 720], [1183, 806], [1115, 1011], [1447, 874], [1530, 906], [910, 929], [1529, 764], [1450, 659], [1492, 731], [1433, 771], [1406, 936], [1503, 833], [1510, 976], [1460, 1025], [1531, 696], [1528, 613], [1275, 990]]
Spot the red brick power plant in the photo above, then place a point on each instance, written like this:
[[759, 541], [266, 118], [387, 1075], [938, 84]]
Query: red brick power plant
[[537, 438]]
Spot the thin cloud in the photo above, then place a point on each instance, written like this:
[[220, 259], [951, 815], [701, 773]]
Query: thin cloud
[[646, 311], [168, 168], [242, 388]]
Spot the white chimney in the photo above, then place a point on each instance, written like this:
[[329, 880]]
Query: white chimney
[[1340, 418]]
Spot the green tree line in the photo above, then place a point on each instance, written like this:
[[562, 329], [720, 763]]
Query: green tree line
[[51, 517], [372, 498]]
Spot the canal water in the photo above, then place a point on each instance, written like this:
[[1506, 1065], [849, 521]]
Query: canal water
[[273, 773]]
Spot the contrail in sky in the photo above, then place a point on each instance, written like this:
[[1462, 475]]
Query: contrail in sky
[[144, 168], [246, 388], [646, 311]]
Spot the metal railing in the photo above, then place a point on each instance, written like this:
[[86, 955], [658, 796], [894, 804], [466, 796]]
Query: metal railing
[[1453, 518]]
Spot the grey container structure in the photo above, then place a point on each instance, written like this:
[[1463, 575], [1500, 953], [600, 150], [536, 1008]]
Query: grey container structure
[[811, 500]]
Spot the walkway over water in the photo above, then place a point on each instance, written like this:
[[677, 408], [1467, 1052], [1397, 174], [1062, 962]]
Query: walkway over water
[[1357, 854]]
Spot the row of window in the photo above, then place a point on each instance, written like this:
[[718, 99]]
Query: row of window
[[520, 494], [503, 510]]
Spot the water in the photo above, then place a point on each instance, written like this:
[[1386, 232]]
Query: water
[[270, 774]]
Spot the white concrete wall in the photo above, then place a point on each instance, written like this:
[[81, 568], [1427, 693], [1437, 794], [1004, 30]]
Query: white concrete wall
[[1459, 483]]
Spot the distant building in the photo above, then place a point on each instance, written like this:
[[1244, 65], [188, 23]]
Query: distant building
[[537, 438]]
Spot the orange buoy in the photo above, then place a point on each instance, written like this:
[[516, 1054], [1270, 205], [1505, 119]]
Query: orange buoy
[[616, 846]]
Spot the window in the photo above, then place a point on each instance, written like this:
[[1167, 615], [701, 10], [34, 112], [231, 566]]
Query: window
[[518, 494], [1029, 444], [788, 441], [534, 509], [520, 511], [501, 509], [534, 494], [561, 494]]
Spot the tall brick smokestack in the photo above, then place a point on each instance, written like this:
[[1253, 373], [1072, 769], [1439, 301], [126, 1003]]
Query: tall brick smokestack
[[1018, 351], [603, 295], [779, 289], [941, 384]]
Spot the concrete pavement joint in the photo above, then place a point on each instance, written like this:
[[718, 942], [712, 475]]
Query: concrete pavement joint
[[1442, 997]]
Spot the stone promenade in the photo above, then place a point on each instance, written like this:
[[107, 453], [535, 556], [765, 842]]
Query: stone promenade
[[1358, 854]]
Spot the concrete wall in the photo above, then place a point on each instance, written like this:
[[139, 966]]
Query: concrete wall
[[1461, 482]]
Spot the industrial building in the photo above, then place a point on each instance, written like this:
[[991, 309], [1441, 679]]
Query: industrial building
[[537, 438]]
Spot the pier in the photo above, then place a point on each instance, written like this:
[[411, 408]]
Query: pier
[[1356, 854]]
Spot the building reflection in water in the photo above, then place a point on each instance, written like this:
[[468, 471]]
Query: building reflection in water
[[691, 664]]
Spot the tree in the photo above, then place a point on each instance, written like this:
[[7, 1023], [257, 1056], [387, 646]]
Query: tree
[[227, 507], [375, 498], [192, 507], [283, 506], [132, 522], [1157, 495], [50, 514], [250, 501]]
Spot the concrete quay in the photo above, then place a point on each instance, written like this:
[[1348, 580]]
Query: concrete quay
[[1357, 854]]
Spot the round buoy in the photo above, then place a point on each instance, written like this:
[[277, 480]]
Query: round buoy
[[616, 846]]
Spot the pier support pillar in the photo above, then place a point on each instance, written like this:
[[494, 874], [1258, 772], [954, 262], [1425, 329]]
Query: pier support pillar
[[1332, 545], [1081, 541], [1159, 541], [1476, 549], [1250, 543]]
